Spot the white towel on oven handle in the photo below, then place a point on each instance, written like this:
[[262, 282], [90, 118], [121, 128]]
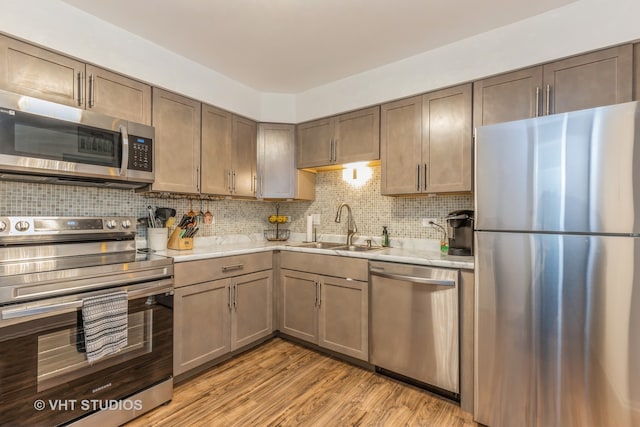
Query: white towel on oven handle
[[105, 323]]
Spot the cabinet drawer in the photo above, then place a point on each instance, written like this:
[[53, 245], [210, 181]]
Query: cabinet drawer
[[190, 272], [328, 265]]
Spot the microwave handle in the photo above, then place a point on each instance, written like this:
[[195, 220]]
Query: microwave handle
[[125, 150]]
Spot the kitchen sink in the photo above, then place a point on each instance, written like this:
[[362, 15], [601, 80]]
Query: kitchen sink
[[337, 246], [320, 245], [357, 248]]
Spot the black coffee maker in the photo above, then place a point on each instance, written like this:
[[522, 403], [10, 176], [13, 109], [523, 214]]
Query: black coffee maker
[[460, 232]]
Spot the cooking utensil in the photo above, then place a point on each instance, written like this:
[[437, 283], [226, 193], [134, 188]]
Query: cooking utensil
[[163, 214], [208, 216], [152, 217]]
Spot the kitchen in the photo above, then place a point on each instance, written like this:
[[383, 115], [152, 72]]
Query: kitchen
[[371, 210]]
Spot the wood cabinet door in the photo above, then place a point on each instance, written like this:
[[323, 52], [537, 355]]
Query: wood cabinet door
[[118, 96], [357, 136], [636, 72], [299, 293], [400, 146], [177, 143], [344, 317], [510, 96], [216, 151], [252, 308], [244, 154], [447, 140], [276, 161], [314, 146], [32, 71], [201, 324], [592, 80]]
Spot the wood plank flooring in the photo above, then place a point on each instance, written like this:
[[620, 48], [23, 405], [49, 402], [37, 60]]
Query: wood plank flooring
[[283, 384]]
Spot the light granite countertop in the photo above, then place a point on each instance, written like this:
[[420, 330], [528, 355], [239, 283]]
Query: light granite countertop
[[408, 251]]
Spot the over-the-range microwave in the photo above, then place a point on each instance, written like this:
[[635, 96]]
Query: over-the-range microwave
[[41, 141]]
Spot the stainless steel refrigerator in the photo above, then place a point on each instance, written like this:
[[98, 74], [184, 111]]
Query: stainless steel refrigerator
[[557, 270]]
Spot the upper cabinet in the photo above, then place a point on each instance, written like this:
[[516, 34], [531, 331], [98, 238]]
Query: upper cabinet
[[506, 97], [244, 157], [118, 96], [217, 129], [636, 71], [426, 143], [591, 80], [228, 153], [346, 138], [40, 73], [277, 176], [177, 143]]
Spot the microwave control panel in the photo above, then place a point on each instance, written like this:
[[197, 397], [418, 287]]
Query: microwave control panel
[[140, 153]]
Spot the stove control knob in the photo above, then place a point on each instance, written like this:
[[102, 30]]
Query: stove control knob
[[111, 224], [3, 226], [22, 225], [126, 223]]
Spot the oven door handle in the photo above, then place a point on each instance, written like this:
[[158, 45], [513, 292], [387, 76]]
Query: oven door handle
[[153, 288], [14, 313]]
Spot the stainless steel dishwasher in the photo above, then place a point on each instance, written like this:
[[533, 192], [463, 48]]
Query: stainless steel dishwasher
[[414, 324]]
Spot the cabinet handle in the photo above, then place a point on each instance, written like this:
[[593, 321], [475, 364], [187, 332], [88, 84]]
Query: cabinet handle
[[335, 150], [80, 88], [229, 297], [537, 101], [315, 303], [425, 177], [233, 175], [255, 184], [418, 177], [261, 183], [198, 178], [319, 294], [92, 93], [233, 267], [235, 296], [229, 180], [548, 109], [330, 150]]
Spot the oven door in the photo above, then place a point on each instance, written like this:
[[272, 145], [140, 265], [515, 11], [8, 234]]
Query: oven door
[[44, 374]]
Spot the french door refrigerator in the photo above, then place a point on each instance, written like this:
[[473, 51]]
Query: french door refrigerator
[[558, 270]]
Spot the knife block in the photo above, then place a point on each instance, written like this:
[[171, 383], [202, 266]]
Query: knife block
[[177, 243]]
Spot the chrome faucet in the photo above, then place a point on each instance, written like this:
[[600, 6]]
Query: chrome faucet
[[351, 224]]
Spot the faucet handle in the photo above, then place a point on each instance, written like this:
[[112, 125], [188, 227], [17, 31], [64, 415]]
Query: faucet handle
[[368, 243]]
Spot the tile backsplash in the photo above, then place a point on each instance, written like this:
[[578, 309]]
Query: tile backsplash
[[371, 210]]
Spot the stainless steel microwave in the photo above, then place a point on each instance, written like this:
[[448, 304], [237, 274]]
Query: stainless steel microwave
[[43, 141]]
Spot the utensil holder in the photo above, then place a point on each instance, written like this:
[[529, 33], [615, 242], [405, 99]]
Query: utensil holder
[[180, 243], [157, 238]]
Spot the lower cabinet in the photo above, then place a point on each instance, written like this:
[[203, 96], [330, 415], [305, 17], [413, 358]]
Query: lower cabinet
[[215, 317], [201, 324], [331, 312]]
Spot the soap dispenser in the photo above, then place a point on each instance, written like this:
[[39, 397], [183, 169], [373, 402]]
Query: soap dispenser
[[385, 237]]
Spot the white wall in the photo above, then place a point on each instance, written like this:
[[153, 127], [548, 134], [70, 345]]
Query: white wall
[[578, 27], [57, 25]]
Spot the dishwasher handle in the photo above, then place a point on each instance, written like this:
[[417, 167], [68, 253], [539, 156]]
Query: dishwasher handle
[[423, 280]]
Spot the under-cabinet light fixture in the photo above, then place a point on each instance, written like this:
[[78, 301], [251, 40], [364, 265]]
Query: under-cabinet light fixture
[[356, 174]]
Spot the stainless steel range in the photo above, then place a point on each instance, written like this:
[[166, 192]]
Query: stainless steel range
[[50, 267]]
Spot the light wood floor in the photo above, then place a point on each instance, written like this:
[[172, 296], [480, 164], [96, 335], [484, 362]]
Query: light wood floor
[[284, 384]]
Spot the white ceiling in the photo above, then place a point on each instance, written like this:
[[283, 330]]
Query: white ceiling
[[289, 46]]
